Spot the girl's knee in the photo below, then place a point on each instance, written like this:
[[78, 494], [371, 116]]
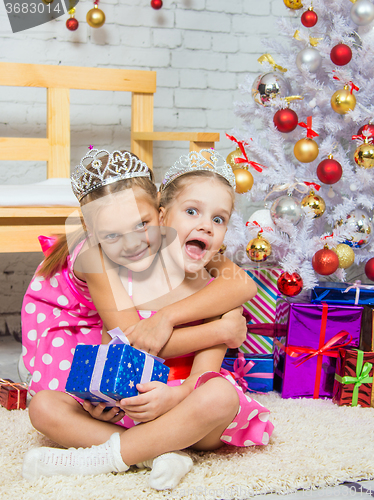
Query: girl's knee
[[47, 406], [38, 407], [221, 396]]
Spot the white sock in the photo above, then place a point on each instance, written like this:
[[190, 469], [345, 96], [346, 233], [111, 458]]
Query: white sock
[[167, 469], [99, 459]]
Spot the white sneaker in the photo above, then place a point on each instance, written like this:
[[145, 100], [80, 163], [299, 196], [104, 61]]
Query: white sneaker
[[99, 459]]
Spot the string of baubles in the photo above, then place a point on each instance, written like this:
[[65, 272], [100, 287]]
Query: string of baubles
[[95, 17]]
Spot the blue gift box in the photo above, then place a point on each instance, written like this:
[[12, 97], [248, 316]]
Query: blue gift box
[[260, 377], [334, 293], [111, 372]]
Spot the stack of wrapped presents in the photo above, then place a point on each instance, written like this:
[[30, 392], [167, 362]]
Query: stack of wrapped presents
[[319, 346]]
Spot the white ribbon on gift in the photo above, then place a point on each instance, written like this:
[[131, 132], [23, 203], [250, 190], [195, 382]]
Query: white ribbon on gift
[[357, 285], [118, 337]]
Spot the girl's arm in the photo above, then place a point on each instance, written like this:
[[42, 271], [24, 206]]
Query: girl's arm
[[230, 330], [109, 296], [230, 289]]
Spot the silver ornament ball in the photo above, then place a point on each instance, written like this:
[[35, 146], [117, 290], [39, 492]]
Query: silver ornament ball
[[310, 57], [358, 223], [362, 12], [268, 86], [286, 208]]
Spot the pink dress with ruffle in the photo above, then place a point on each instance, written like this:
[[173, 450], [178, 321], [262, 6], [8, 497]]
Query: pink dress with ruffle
[[57, 315]]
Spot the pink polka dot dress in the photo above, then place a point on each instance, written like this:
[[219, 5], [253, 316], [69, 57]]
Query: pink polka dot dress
[[57, 315]]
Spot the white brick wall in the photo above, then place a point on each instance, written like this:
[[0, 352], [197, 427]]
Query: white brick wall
[[201, 50]]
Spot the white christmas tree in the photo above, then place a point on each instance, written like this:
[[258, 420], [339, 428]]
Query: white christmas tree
[[325, 97]]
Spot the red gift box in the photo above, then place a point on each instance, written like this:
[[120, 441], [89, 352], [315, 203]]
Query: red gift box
[[12, 395], [353, 378]]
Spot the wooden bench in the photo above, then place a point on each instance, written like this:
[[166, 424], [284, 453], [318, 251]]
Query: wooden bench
[[20, 225]]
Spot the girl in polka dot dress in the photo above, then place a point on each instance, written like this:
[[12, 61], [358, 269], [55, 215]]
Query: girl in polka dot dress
[[70, 301], [206, 409]]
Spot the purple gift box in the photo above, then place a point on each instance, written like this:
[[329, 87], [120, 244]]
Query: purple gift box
[[304, 329]]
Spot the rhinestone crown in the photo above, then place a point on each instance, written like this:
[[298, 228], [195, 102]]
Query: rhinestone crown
[[121, 165], [196, 161]]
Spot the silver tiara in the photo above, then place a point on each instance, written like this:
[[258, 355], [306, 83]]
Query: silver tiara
[[121, 165], [196, 161]]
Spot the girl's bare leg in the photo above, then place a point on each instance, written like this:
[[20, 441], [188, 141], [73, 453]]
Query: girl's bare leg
[[197, 421], [61, 418]]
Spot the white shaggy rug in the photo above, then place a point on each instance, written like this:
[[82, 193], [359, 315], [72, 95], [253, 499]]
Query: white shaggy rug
[[315, 444]]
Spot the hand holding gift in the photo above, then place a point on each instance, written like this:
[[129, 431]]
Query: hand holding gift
[[155, 399], [112, 371]]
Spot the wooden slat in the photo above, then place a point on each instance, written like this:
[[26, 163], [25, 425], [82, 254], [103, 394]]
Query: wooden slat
[[177, 136], [75, 77], [25, 238], [142, 121], [35, 212], [14, 148], [196, 146], [58, 132]]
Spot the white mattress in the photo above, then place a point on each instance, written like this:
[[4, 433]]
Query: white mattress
[[49, 193]]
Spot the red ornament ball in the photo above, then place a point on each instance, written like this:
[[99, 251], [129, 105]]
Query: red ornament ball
[[72, 24], [156, 4], [309, 18], [369, 129], [369, 269], [341, 54], [285, 120], [325, 262], [329, 171], [290, 284]]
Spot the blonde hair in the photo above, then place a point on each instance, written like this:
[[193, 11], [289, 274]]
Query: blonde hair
[[172, 190], [60, 250]]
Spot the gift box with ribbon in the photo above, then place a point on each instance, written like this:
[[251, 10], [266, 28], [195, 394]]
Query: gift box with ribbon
[[305, 358], [353, 378], [12, 395], [110, 372], [260, 310], [367, 329], [253, 372], [257, 344], [343, 293]]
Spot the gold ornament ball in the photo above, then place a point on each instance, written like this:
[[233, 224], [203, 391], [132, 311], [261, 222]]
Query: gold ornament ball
[[315, 203], [47, 2], [258, 249], [345, 255], [95, 17], [364, 155], [293, 4], [343, 101], [243, 179], [231, 158], [306, 150]]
